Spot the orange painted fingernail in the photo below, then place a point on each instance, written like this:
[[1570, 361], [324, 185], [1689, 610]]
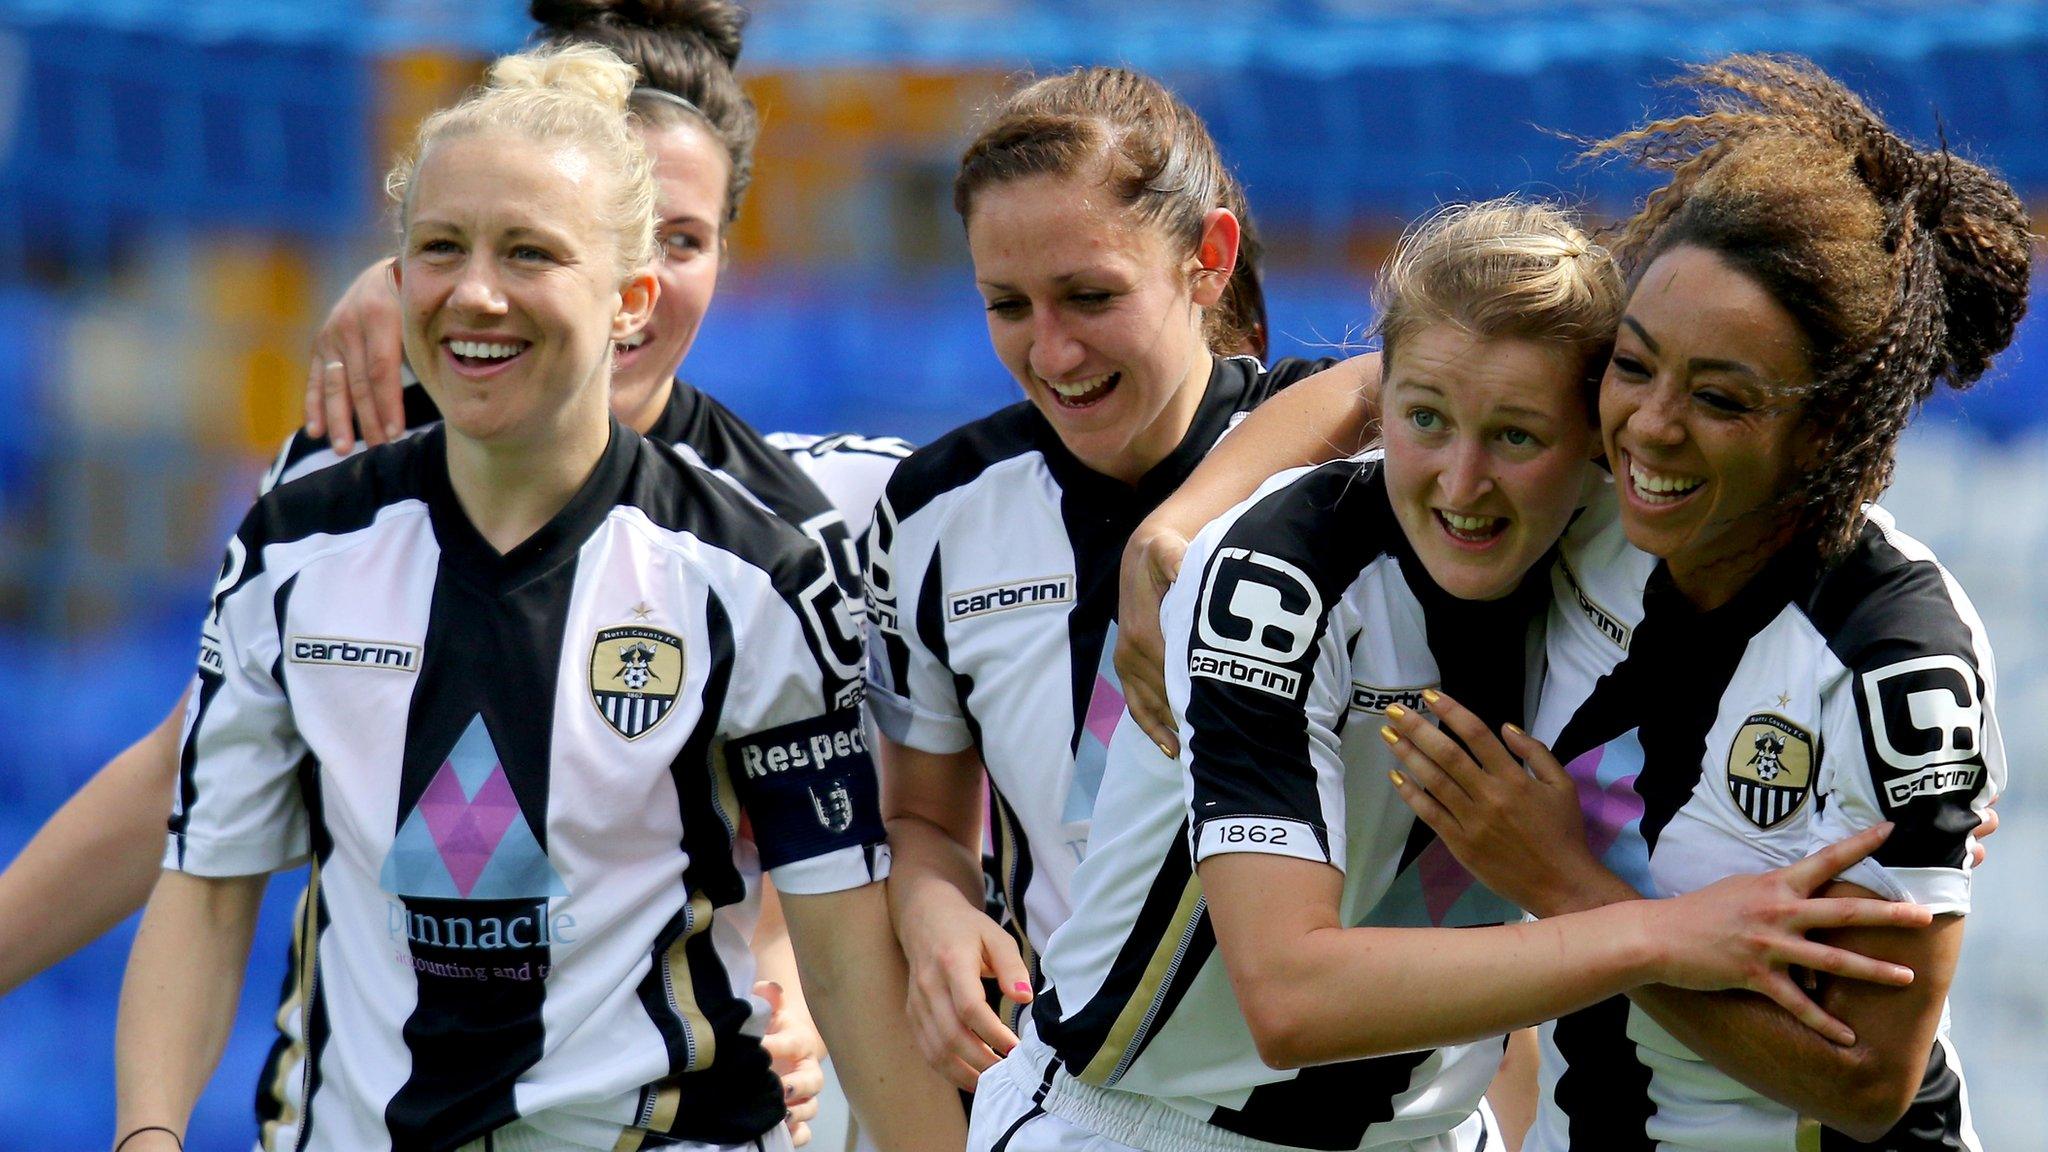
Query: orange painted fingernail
[[1399, 780], [1431, 696], [1389, 735], [1515, 730], [1395, 711]]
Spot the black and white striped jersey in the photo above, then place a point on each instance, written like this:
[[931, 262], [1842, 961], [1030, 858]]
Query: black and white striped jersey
[[1300, 616], [851, 469], [520, 780], [803, 479], [1709, 744], [992, 574]]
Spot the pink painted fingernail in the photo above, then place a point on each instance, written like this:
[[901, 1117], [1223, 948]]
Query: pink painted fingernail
[[1022, 986]]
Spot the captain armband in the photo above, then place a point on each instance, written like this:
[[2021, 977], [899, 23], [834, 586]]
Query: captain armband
[[809, 787]]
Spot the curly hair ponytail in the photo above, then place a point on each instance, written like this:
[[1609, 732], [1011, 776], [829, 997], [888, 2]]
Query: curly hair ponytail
[[1904, 267]]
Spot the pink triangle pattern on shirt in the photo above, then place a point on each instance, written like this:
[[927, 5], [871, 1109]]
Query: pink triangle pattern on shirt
[[1105, 708], [468, 832], [1443, 879], [1609, 806]]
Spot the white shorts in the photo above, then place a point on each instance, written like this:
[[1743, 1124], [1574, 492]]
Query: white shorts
[[1010, 1115]]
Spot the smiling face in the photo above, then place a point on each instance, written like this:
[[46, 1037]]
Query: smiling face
[[1489, 447], [1699, 415], [1097, 314], [510, 287], [690, 171]]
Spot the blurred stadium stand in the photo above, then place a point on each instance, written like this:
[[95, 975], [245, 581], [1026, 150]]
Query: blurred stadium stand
[[185, 184]]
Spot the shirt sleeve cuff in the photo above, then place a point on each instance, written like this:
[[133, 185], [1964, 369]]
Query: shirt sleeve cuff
[[1268, 836], [195, 856], [1941, 890], [901, 720], [835, 871]]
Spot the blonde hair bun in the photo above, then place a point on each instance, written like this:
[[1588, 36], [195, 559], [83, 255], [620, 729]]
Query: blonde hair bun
[[579, 69], [571, 95]]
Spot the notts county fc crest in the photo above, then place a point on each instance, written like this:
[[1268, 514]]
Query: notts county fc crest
[[1770, 769], [635, 674]]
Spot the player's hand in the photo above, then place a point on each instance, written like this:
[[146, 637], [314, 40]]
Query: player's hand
[[1747, 931], [797, 1052], [1518, 830], [353, 382], [1151, 562], [951, 947], [1978, 852]]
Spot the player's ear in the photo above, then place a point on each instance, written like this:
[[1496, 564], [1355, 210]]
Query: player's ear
[[636, 303], [1215, 255]]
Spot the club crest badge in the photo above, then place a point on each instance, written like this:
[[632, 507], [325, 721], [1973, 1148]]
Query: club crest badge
[[635, 674], [1770, 769], [834, 809]]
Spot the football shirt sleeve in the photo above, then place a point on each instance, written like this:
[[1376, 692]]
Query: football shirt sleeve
[[910, 689], [1252, 653], [1909, 737], [796, 748], [238, 809]]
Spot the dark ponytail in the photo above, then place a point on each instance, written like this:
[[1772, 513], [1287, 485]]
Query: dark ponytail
[[686, 48]]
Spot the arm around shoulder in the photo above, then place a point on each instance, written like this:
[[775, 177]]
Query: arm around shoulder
[[113, 831]]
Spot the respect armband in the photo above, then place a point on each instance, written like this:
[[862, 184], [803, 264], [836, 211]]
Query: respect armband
[[809, 787]]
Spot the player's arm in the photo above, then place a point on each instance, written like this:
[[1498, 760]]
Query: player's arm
[[817, 822], [1290, 960], [112, 831], [178, 1000], [931, 805], [1327, 416], [931, 802], [1850, 1054], [1860, 1089], [793, 1041], [1514, 1093], [353, 381], [856, 979]]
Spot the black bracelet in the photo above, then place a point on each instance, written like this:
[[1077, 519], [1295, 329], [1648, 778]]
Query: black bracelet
[[150, 1128]]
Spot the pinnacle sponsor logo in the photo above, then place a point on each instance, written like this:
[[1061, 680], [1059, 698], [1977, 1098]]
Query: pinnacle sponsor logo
[[1770, 768], [527, 926], [1367, 698], [1244, 672], [1006, 597], [792, 749], [348, 653], [1605, 622], [1932, 782], [635, 673]]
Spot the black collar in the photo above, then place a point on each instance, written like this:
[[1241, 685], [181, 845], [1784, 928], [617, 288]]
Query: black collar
[[464, 549]]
